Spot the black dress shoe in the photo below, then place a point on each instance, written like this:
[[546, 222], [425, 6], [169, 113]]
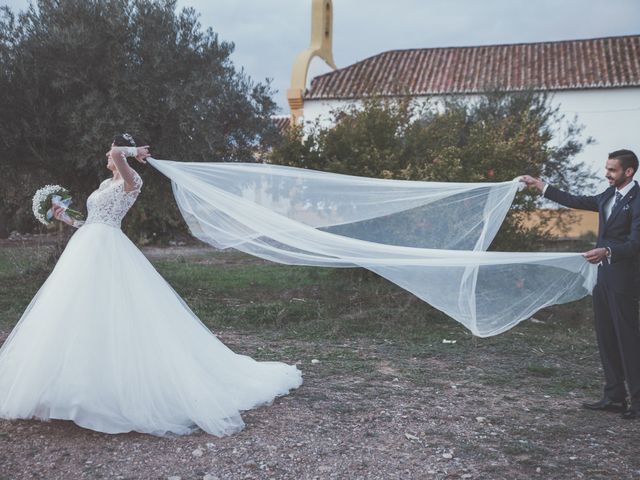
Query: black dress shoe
[[607, 405], [632, 413]]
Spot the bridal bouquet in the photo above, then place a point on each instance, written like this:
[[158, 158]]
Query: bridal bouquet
[[48, 196]]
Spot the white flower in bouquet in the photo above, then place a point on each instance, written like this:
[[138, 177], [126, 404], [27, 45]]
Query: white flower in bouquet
[[48, 196]]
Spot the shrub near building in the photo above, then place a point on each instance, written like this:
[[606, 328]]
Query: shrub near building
[[494, 138]]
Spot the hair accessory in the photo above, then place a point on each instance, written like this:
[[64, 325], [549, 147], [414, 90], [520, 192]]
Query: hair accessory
[[129, 139]]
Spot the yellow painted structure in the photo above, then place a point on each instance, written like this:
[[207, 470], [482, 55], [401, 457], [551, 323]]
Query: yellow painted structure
[[586, 223], [321, 46]]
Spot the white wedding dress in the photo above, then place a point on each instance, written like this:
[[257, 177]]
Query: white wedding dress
[[108, 344]]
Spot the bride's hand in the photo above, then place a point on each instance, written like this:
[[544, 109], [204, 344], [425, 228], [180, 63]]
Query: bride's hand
[[58, 213], [143, 152]]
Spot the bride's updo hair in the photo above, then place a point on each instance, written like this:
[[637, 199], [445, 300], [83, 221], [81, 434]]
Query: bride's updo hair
[[124, 140]]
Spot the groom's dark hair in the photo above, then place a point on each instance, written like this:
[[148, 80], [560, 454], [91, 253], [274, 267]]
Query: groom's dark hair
[[627, 159]]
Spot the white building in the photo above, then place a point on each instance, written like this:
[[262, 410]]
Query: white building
[[597, 80]]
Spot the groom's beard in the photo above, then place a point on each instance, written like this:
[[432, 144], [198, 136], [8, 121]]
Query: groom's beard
[[617, 183], [621, 182]]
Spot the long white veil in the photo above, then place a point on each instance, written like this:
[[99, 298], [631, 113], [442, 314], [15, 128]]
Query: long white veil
[[429, 238]]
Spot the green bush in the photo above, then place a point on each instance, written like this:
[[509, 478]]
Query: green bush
[[496, 137]]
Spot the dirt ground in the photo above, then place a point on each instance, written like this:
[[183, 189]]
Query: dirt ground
[[367, 410], [369, 422]]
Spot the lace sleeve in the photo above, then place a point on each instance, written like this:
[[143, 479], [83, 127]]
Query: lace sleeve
[[137, 182]]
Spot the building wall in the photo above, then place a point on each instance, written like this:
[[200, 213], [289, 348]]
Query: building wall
[[610, 116]]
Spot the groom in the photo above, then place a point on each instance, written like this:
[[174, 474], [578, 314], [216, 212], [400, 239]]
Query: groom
[[615, 295]]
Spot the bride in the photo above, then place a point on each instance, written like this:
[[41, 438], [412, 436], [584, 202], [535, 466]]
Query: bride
[[108, 344]]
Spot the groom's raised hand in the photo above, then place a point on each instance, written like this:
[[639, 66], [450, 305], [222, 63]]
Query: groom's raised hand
[[530, 181]]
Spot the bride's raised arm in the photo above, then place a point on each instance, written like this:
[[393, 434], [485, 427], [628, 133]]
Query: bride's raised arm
[[119, 156]]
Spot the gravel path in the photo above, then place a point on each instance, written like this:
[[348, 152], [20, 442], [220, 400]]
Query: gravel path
[[365, 411]]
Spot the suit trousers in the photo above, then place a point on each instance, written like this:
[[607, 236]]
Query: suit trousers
[[618, 333]]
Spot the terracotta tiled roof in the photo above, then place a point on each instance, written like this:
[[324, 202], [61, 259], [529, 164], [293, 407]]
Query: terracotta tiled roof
[[281, 122], [574, 64]]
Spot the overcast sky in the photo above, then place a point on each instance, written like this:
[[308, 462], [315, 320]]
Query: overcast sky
[[269, 33]]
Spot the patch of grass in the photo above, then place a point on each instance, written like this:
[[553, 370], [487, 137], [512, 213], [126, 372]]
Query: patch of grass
[[571, 383], [250, 281], [498, 379], [302, 302], [542, 370], [18, 261], [22, 271], [321, 304]]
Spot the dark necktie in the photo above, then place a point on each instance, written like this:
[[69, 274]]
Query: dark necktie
[[618, 198]]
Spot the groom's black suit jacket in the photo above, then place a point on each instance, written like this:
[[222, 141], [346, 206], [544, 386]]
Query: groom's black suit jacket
[[615, 295], [620, 232]]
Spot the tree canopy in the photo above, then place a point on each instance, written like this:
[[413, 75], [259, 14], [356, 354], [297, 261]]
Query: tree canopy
[[73, 73]]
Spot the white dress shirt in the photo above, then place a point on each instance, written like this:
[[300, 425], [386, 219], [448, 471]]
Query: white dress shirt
[[623, 191]]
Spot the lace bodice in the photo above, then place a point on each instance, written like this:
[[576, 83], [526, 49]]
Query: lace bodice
[[110, 203]]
